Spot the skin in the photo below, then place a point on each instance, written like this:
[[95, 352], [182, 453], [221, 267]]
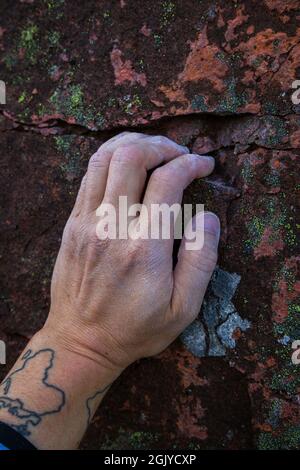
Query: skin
[[112, 301]]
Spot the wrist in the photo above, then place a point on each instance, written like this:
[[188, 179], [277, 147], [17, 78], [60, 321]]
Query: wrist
[[52, 389], [77, 358]]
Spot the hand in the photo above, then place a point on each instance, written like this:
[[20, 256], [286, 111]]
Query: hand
[[112, 301], [115, 301]]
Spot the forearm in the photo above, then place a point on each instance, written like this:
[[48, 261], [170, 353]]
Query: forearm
[[51, 393]]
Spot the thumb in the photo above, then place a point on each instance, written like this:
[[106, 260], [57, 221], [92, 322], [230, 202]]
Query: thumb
[[195, 266]]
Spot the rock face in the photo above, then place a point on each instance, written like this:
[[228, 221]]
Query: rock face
[[218, 77]]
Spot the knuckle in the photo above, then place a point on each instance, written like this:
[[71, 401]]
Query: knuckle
[[74, 236], [83, 182], [121, 134], [135, 135], [93, 240], [126, 135], [129, 153], [166, 141], [133, 252], [161, 139], [134, 258], [69, 230], [98, 159], [78, 230], [161, 176]]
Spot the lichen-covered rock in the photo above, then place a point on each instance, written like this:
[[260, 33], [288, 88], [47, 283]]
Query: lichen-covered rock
[[217, 77], [102, 65]]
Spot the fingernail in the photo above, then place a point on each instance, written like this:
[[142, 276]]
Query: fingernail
[[212, 224], [206, 158]]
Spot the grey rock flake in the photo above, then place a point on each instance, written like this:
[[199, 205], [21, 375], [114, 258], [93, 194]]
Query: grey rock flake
[[212, 333]]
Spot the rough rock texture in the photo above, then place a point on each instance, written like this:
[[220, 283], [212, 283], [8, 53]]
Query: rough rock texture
[[214, 329], [216, 76]]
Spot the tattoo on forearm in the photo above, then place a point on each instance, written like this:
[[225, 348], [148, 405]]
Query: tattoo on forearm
[[90, 402], [21, 416]]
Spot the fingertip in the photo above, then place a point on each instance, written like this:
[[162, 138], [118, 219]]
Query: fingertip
[[203, 165], [208, 164], [212, 224]]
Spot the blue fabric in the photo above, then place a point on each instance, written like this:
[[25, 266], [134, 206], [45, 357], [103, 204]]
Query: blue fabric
[[10, 439], [2, 447]]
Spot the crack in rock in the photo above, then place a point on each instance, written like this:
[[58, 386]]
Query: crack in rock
[[212, 333]]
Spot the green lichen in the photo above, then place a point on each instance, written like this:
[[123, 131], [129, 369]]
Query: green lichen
[[76, 98], [168, 12], [287, 379], [55, 7], [141, 65], [157, 41], [111, 102], [232, 99], [286, 274], [271, 108], [70, 165], [274, 412], [29, 46], [29, 42], [41, 110], [257, 62], [63, 143], [290, 236], [24, 114], [247, 171], [22, 97], [289, 439], [272, 179], [142, 439], [194, 446], [131, 103], [276, 131], [54, 4], [291, 326], [276, 43], [10, 60], [232, 60], [275, 216], [71, 103], [53, 38], [199, 104], [138, 440], [256, 228], [19, 80]]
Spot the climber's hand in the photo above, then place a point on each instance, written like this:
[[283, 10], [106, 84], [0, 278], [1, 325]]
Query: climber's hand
[[115, 301], [112, 301]]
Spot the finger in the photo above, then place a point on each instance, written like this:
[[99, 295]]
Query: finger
[[168, 182], [79, 198], [130, 163], [195, 267], [92, 191]]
